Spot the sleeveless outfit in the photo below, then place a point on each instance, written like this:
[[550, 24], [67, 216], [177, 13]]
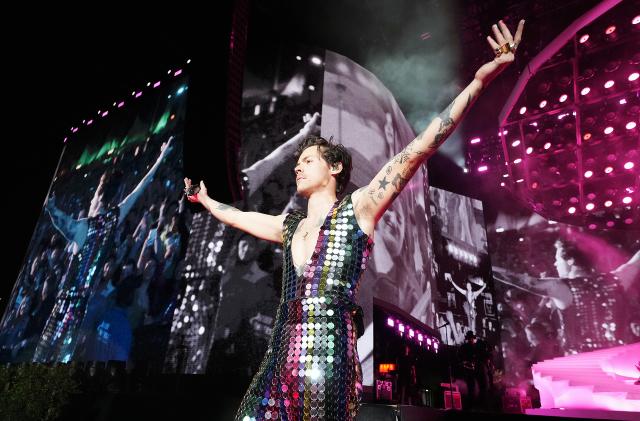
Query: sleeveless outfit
[[58, 340], [311, 369]]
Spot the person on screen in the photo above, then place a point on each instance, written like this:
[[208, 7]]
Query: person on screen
[[311, 365], [93, 238]]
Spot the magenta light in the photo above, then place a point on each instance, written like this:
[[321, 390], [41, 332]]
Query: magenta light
[[631, 125], [475, 140], [515, 143], [608, 130], [517, 160], [563, 97], [610, 30], [636, 20], [482, 168], [588, 174], [626, 200], [608, 203], [104, 114], [628, 165], [155, 85], [610, 224], [543, 104], [529, 150], [591, 196], [420, 337], [609, 84], [608, 170], [520, 180], [502, 184], [121, 104], [590, 206], [411, 333], [633, 76], [592, 226], [177, 72], [585, 91], [623, 101], [139, 94], [547, 145], [523, 110], [390, 322], [428, 341], [584, 38], [572, 210], [401, 327], [628, 221]]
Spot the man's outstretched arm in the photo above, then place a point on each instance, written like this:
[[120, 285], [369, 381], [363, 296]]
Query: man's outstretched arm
[[373, 200]]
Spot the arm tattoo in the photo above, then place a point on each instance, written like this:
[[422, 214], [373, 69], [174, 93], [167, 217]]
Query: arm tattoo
[[399, 182], [371, 196], [383, 183], [446, 122]]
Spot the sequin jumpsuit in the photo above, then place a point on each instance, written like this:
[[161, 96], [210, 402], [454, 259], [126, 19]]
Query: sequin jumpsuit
[[311, 369], [58, 339]]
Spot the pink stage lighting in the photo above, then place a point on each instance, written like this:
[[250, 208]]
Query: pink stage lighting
[[523, 110], [585, 91], [572, 210], [626, 200], [517, 160], [529, 150], [584, 38], [628, 165], [515, 143], [390, 322], [636, 20], [610, 30], [628, 221], [608, 130], [608, 170], [543, 104], [633, 76], [631, 125], [622, 101], [547, 145], [482, 168], [608, 84], [610, 224], [475, 140], [592, 226], [608, 203], [588, 174], [590, 206], [563, 98]]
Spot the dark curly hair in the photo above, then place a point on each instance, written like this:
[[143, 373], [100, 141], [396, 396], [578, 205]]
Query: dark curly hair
[[332, 153]]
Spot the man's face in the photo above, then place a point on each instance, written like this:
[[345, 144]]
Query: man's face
[[312, 171]]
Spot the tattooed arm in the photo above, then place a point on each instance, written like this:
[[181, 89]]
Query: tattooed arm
[[373, 200], [266, 227]]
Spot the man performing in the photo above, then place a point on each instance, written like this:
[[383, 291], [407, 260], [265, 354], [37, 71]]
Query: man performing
[[311, 368], [93, 239]]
